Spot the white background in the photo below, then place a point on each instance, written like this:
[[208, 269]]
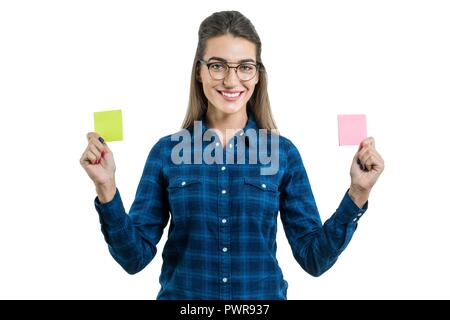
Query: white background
[[62, 60]]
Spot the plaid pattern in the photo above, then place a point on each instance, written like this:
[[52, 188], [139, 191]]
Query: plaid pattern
[[223, 223]]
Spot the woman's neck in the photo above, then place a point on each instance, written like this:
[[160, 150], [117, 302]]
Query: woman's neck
[[226, 125]]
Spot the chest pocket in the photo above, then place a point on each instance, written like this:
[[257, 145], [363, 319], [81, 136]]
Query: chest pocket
[[185, 196], [261, 197]]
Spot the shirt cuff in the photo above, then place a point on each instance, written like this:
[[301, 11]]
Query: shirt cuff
[[348, 211], [112, 212]]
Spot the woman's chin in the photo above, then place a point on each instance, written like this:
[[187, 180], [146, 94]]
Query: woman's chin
[[230, 108]]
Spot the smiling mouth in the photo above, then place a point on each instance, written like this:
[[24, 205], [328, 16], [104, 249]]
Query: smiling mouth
[[230, 94]]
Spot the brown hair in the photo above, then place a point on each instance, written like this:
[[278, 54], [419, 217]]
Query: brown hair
[[237, 25]]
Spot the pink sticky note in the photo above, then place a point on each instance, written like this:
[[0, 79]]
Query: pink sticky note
[[352, 129]]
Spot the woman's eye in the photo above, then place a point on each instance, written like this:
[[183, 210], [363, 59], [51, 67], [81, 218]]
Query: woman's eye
[[246, 68], [216, 67]]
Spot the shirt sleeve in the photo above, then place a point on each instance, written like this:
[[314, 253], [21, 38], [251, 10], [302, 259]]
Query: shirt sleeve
[[316, 247], [132, 238]]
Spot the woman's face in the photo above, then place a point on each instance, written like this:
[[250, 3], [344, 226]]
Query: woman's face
[[229, 95]]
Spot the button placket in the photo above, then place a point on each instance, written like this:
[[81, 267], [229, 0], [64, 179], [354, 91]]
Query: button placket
[[224, 230]]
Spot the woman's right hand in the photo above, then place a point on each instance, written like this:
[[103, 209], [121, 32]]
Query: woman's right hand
[[98, 162]]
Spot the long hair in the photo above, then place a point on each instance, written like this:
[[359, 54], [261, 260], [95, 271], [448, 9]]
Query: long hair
[[237, 25]]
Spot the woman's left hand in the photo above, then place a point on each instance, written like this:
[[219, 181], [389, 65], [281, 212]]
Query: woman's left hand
[[366, 167]]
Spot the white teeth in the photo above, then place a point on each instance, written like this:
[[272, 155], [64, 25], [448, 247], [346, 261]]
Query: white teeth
[[231, 95]]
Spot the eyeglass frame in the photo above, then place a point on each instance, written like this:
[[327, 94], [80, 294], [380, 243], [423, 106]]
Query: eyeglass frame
[[258, 65]]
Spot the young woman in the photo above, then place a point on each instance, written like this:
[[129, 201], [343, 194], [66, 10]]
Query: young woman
[[223, 212]]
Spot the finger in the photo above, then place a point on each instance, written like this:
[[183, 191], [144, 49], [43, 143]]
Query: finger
[[92, 148], [375, 164], [367, 145], [98, 145], [92, 135], [365, 160], [364, 151], [360, 165], [378, 162], [91, 157], [105, 147], [99, 141], [356, 161], [372, 160], [84, 160], [368, 162], [378, 156], [368, 142], [362, 156]]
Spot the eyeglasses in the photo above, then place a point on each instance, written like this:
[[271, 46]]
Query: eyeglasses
[[218, 70]]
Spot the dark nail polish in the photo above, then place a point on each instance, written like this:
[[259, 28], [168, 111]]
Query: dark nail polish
[[101, 140]]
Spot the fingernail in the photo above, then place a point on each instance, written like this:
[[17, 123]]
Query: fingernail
[[101, 140]]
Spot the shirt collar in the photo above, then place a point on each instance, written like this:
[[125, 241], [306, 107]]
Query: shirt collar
[[240, 134]]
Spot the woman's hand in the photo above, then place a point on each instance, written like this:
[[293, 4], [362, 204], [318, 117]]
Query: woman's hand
[[366, 167], [98, 161]]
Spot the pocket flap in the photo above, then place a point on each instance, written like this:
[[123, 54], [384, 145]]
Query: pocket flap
[[261, 184], [182, 182]]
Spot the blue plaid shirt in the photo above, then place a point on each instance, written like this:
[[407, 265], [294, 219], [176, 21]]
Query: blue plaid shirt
[[223, 222]]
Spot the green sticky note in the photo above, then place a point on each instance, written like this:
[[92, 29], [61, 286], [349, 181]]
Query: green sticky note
[[108, 124]]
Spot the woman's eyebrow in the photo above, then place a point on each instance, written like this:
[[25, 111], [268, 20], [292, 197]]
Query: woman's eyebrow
[[223, 60]]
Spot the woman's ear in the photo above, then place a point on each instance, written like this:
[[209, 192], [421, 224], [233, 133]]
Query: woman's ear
[[197, 75]]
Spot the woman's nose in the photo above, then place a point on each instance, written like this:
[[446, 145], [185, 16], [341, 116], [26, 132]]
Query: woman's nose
[[231, 77]]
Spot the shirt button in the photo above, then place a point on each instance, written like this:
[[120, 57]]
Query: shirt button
[[263, 185], [225, 249], [225, 280], [354, 220], [359, 214], [231, 145], [242, 132], [223, 168], [183, 183], [224, 191], [224, 220], [217, 144]]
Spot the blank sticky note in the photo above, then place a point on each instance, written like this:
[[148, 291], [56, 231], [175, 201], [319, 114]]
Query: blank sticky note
[[352, 129], [108, 124]]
